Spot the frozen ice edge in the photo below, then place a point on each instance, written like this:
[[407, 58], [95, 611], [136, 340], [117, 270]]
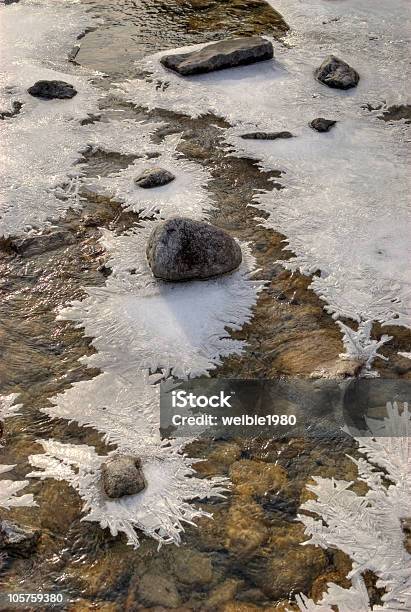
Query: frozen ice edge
[[141, 325], [367, 527], [43, 142], [9, 489], [337, 221]]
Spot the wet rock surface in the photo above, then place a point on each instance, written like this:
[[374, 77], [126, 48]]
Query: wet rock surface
[[17, 540], [266, 135], [182, 249], [122, 475], [49, 90], [158, 590], [337, 74], [154, 177], [217, 56], [34, 245], [322, 125]]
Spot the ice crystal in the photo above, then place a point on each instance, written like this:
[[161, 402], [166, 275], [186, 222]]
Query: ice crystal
[[338, 220], [359, 345], [186, 195], [141, 325], [45, 137], [9, 489], [139, 322], [368, 527]]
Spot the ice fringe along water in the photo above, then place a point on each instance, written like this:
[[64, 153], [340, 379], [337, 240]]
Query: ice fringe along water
[[367, 527], [141, 325], [187, 195], [10, 489], [343, 207], [39, 176]]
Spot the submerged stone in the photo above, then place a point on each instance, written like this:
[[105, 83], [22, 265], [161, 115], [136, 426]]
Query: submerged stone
[[17, 541], [122, 475], [322, 125], [154, 177], [48, 90], [158, 590], [266, 135], [217, 56], [337, 74], [182, 249]]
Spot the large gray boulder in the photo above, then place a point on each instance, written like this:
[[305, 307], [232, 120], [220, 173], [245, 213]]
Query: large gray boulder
[[48, 90], [217, 56], [181, 249], [122, 475], [337, 74]]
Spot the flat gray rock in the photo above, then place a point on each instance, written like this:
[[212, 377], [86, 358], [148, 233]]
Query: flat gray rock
[[16, 540], [266, 135], [182, 249], [48, 90], [122, 475], [322, 125], [217, 56], [154, 177], [337, 74]]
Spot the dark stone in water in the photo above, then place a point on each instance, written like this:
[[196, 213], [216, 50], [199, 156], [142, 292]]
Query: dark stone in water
[[154, 177], [35, 245], [181, 249], [322, 125], [48, 90], [16, 107], [72, 54], [17, 541], [122, 475], [217, 56], [266, 135], [337, 74]]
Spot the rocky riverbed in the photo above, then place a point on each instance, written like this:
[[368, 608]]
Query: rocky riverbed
[[248, 557]]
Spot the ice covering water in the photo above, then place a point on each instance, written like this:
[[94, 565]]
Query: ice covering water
[[344, 207], [40, 145]]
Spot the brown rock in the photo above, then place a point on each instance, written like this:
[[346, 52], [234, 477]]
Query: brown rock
[[157, 590], [122, 475], [191, 567], [246, 529], [223, 593], [256, 477]]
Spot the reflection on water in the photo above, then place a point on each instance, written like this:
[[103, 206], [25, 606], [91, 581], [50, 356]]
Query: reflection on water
[[135, 28]]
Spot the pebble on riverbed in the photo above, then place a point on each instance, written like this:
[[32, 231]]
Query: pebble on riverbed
[[266, 135], [122, 475], [337, 74], [49, 90], [322, 125], [217, 56], [182, 249], [16, 540], [154, 177]]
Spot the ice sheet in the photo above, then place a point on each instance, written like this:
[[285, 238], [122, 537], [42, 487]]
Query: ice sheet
[[344, 207]]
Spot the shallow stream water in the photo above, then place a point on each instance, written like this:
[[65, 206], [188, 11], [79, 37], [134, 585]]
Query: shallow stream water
[[248, 557]]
